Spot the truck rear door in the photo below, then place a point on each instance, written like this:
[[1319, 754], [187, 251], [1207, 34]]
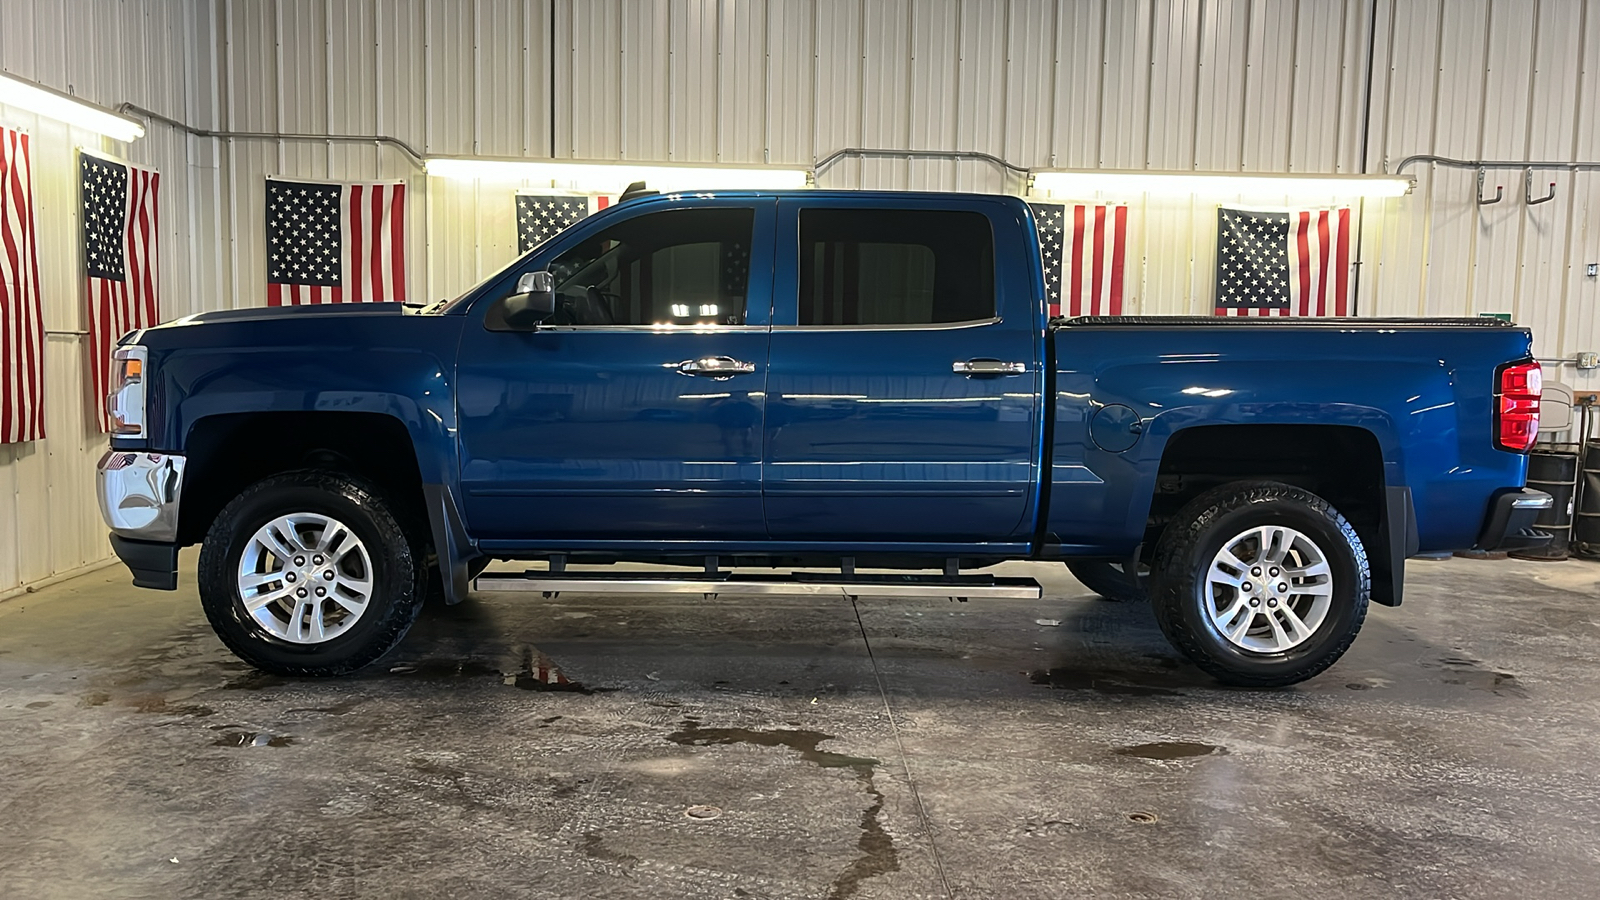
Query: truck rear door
[[904, 380]]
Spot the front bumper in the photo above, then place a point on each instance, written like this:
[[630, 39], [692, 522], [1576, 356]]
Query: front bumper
[[139, 493], [1511, 517], [139, 496]]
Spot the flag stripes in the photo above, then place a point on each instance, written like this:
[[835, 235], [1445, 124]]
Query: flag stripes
[[21, 314], [335, 243], [1083, 248], [1283, 263], [121, 228]]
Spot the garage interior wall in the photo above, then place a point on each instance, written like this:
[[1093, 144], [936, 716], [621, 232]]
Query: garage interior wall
[[1208, 85]]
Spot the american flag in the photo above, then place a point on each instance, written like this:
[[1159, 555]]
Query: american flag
[[1285, 263], [335, 243], [1083, 248], [21, 317], [120, 225], [541, 217]]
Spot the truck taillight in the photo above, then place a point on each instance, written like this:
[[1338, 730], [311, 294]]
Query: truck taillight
[[1516, 419]]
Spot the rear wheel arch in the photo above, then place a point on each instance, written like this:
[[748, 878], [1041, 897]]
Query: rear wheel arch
[[1354, 468]]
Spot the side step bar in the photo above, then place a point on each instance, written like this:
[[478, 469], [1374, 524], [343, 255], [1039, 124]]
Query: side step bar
[[962, 587]]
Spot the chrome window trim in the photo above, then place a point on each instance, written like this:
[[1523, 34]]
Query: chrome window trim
[[931, 326]]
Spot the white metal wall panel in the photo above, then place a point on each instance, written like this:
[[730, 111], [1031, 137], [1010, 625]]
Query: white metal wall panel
[[935, 52], [693, 67], [791, 101], [838, 87], [1078, 85], [1273, 83], [1029, 90], [742, 82], [646, 97], [595, 45]]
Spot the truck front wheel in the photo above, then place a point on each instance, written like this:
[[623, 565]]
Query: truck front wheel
[[1261, 584], [308, 573]]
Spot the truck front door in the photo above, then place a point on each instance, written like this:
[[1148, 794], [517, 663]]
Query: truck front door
[[903, 396], [634, 413]]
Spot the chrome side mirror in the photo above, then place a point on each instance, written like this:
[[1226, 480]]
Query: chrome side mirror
[[533, 302]]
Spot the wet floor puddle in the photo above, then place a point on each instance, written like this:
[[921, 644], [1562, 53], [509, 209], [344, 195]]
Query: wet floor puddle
[[878, 855], [536, 672]]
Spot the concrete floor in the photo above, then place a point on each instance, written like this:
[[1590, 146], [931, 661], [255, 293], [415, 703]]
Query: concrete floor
[[530, 748]]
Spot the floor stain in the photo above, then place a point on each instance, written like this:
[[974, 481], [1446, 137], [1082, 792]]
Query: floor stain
[[39, 704], [594, 847], [878, 853], [1470, 673], [254, 681], [1170, 750], [1132, 684]]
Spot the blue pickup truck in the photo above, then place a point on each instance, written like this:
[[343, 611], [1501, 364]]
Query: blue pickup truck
[[863, 383]]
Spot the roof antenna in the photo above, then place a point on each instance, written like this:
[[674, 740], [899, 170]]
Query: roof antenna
[[637, 189]]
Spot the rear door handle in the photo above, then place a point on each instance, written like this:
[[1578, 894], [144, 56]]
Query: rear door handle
[[987, 368], [717, 367]]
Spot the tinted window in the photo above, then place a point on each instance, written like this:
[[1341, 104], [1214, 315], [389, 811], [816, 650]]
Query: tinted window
[[679, 267], [895, 267]]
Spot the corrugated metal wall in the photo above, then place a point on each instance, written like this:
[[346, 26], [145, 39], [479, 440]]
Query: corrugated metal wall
[[1237, 85], [131, 50]]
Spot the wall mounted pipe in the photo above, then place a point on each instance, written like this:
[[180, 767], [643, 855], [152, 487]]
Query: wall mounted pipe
[[953, 155], [416, 158], [1495, 164]]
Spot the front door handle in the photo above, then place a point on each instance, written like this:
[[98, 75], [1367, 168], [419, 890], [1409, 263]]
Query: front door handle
[[717, 367], [987, 368]]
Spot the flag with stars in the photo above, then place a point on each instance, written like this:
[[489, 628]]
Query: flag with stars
[[1083, 248], [541, 217], [1283, 263], [121, 228], [335, 243], [21, 314]]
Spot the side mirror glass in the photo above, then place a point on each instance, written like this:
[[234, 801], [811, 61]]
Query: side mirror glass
[[533, 302]]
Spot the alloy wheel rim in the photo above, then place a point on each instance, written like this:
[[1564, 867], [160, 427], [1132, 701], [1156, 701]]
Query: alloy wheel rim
[[1269, 589], [305, 578]]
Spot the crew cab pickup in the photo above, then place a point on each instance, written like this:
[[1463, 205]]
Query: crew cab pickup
[[799, 380]]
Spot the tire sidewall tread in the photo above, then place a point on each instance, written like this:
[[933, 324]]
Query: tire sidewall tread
[[400, 574], [1191, 540]]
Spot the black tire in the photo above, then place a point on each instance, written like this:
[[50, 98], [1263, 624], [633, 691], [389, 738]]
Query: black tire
[[1198, 533], [399, 574], [1110, 581]]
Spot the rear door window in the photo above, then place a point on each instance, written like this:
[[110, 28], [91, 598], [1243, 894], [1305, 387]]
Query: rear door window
[[895, 267]]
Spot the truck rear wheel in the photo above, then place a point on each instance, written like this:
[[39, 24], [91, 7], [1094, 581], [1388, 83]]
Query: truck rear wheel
[[309, 574], [1109, 580], [1261, 584]]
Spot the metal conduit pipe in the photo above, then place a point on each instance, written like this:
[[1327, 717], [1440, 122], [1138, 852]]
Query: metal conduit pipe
[[416, 158], [954, 155], [1495, 163]]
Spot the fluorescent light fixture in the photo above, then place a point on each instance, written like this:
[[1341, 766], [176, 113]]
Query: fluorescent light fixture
[[1085, 184], [37, 98], [613, 178]]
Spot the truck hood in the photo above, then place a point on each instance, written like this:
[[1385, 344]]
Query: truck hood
[[280, 313]]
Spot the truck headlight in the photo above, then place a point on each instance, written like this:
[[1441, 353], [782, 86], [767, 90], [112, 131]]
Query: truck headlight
[[126, 400]]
